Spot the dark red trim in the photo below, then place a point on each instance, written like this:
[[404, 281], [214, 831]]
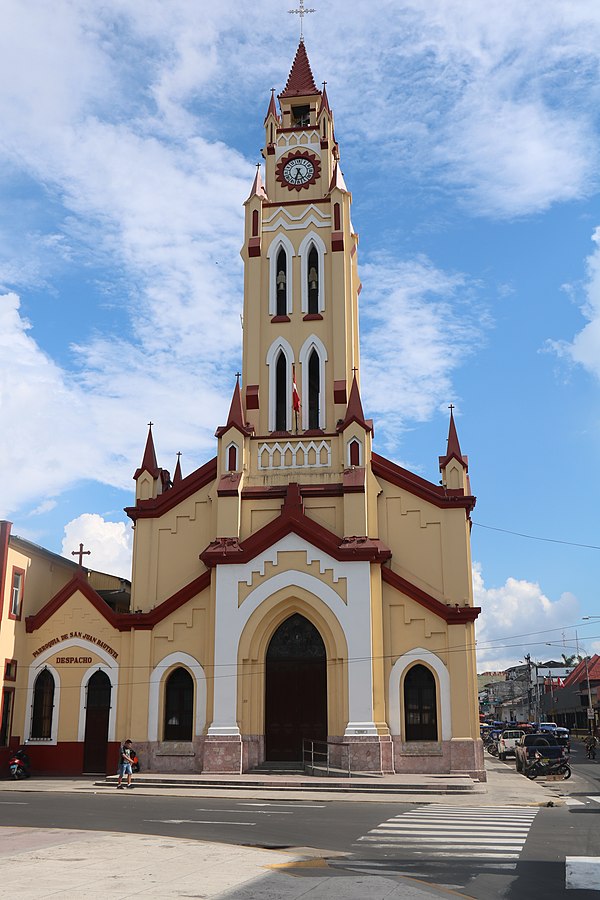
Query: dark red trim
[[337, 240], [279, 490], [16, 570], [254, 247], [312, 317], [418, 486], [4, 537], [277, 319], [157, 506], [229, 484], [453, 615], [339, 391], [119, 621], [252, 396], [293, 519], [354, 480]]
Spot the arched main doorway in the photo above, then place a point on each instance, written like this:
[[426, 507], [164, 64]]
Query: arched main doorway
[[97, 712], [296, 689]]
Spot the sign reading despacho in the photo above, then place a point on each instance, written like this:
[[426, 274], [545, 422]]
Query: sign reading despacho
[[76, 634]]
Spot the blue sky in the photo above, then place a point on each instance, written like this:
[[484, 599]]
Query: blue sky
[[469, 136]]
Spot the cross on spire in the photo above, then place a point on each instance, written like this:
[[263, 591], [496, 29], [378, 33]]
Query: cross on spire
[[81, 553], [451, 407], [301, 12]]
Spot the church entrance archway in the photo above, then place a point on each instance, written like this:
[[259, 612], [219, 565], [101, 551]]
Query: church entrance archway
[[97, 712], [296, 689]]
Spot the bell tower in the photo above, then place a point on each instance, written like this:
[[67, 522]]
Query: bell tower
[[301, 286]]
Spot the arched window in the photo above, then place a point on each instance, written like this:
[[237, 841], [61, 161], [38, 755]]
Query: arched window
[[337, 219], [43, 705], [420, 705], [232, 458], [314, 390], [281, 393], [179, 706], [354, 453], [255, 223], [281, 281], [313, 281]]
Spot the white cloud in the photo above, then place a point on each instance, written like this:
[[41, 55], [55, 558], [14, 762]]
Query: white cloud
[[110, 543], [422, 323], [518, 618], [584, 349]]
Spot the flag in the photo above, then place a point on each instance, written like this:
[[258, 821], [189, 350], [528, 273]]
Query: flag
[[295, 394]]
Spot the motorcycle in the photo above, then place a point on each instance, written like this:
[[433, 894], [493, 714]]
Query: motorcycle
[[541, 766], [18, 765], [590, 749]]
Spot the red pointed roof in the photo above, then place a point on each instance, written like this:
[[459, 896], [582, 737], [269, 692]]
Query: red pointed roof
[[272, 110], [324, 101], [236, 413], [258, 188], [149, 463], [177, 474], [300, 81], [453, 447], [337, 180], [354, 410]]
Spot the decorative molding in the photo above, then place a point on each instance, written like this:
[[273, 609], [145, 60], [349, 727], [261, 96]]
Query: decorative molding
[[298, 449], [156, 680], [419, 656]]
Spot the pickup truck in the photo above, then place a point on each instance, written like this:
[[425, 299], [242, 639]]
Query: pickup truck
[[530, 745]]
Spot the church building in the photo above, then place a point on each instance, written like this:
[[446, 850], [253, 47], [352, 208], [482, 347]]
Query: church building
[[298, 586]]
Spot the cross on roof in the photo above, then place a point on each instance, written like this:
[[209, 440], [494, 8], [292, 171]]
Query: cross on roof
[[301, 12], [81, 553], [451, 407]]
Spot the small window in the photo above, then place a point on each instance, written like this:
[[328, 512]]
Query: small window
[[10, 670], [301, 116], [314, 390], [354, 453], [313, 281], [281, 374], [232, 458], [255, 223], [16, 593], [420, 705], [281, 281]]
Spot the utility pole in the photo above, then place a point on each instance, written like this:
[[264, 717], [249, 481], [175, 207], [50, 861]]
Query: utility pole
[[528, 661]]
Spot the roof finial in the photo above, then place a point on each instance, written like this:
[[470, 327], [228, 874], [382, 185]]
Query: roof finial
[[301, 12]]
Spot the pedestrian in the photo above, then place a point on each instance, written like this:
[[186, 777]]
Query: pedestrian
[[125, 762]]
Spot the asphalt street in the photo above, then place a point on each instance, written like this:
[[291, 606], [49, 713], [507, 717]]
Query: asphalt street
[[481, 851]]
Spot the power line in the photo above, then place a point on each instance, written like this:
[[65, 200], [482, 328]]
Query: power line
[[534, 537]]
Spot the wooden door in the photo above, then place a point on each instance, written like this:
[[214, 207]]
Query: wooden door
[[296, 689], [96, 723]]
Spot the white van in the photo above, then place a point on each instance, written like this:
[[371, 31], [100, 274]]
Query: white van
[[507, 741]]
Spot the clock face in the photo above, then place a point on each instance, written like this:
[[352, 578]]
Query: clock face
[[298, 170]]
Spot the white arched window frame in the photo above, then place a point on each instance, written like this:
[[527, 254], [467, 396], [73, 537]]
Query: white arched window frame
[[280, 345], [158, 680], [236, 468], [312, 239], [278, 243], [34, 671], [310, 344], [396, 701], [348, 451]]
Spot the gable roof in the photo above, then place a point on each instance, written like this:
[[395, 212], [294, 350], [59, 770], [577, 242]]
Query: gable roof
[[119, 621], [444, 498], [156, 506]]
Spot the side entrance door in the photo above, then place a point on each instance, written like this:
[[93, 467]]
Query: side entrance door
[[96, 723]]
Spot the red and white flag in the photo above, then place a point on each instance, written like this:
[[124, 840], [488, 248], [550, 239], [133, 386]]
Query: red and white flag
[[295, 394]]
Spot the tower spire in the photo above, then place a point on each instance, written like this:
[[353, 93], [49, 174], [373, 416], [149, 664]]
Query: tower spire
[[301, 82], [149, 463]]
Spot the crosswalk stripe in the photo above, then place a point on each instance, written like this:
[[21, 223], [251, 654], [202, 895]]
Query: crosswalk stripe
[[496, 834]]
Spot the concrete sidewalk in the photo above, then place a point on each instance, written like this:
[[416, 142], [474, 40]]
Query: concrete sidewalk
[[41, 863]]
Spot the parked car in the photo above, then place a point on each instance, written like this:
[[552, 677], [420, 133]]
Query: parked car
[[563, 736], [547, 726], [532, 746], [507, 741]]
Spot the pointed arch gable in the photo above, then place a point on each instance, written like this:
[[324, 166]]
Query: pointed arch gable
[[157, 679], [316, 344], [312, 239], [279, 242], [280, 345]]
